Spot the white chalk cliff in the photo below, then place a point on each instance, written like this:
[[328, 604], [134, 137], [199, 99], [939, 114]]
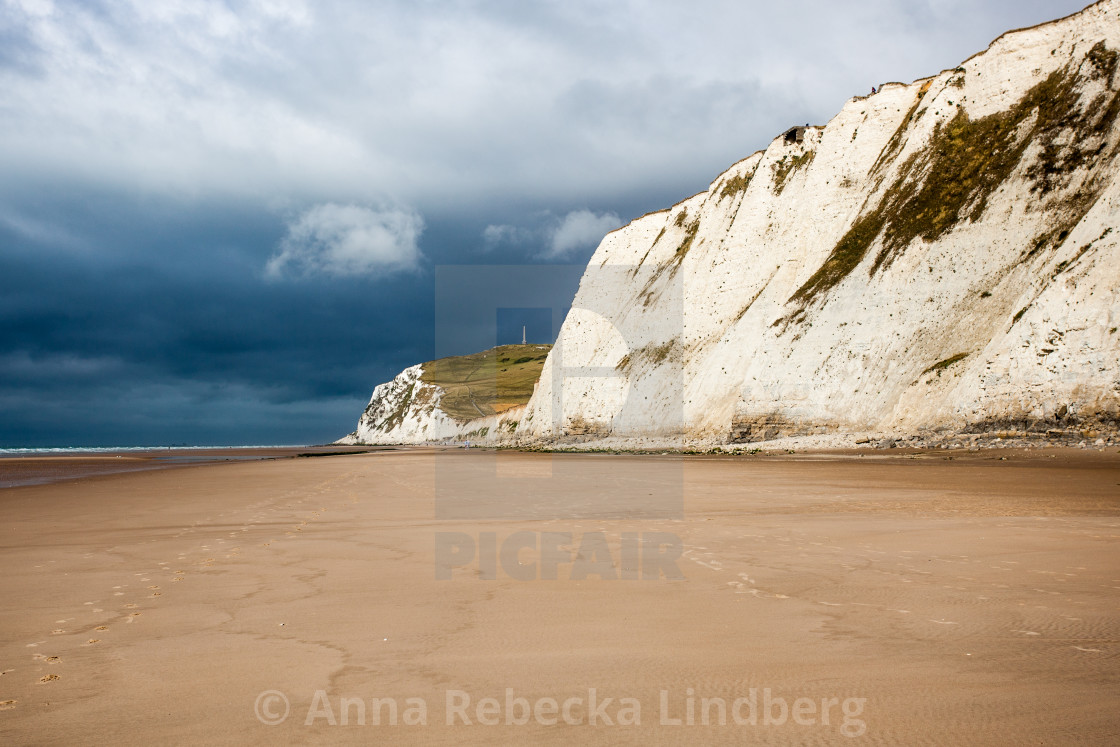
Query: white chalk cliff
[[940, 257], [407, 410]]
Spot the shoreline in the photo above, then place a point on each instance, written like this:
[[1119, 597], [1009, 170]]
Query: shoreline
[[31, 467], [28, 470]]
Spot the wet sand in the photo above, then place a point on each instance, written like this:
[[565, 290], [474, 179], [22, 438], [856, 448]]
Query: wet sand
[[915, 599], [39, 468]]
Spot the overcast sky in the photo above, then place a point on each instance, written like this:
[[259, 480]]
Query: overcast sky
[[222, 222]]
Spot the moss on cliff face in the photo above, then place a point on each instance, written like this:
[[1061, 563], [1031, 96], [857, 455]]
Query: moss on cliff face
[[895, 144], [649, 356], [647, 293], [786, 167], [686, 243], [952, 179], [735, 185], [942, 365], [396, 417]]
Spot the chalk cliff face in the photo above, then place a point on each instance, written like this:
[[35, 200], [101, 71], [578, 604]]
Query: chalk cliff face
[[476, 396], [404, 410], [941, 256], [407, 410]]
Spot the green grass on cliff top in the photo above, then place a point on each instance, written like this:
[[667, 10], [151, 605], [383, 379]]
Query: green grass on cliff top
[[489, 382]]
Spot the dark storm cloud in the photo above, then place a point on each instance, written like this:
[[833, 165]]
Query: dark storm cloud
[[222, 221], [166, 305]]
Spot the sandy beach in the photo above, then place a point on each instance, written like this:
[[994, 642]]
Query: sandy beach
[[890, 598]]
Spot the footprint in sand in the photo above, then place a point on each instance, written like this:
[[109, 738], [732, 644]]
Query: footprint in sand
[[92, 641], [7, 705], [102, 627], [49, 678]]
